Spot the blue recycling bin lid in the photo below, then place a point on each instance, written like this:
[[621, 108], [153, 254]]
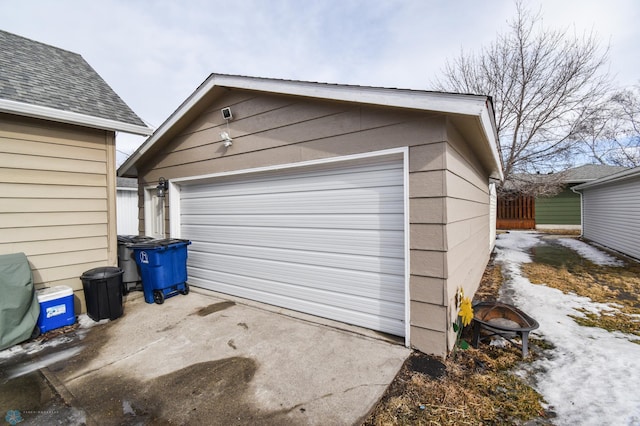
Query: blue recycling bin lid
[[159, 244]]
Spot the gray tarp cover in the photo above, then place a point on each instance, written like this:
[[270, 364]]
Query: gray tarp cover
[[19, 308]]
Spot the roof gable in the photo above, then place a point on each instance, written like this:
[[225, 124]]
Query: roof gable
[[43, 81], [473, 114]]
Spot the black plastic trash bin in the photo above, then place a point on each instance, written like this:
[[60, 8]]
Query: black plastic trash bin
[[103, 292]]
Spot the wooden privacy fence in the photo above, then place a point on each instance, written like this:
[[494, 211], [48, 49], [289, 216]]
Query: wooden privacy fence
[[517, 212]]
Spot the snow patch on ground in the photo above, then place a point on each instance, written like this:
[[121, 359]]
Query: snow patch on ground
[[33, 347], [590, 377], [42, 362], [11, 352], [590, 253], [86, 322], [30, 348]]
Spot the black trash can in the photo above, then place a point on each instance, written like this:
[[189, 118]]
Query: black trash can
[[103, 292]]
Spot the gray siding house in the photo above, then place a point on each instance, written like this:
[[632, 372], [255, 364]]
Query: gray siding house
[[611, 211], [364, 205]]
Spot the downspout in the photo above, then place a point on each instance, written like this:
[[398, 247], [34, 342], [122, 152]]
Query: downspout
[[581, 212]]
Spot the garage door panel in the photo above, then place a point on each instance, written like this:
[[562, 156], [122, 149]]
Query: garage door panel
[[362, 242], [386, 221], [305, 276], [326, 240], [356, 262], [379, 317], [354, 178], [365, 201]]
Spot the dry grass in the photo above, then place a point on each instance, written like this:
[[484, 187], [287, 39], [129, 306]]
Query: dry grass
[[564, 232], [490, 283], [617, 286], [476, 387]]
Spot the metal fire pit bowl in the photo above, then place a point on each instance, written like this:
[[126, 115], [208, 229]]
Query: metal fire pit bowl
[[501, 319]]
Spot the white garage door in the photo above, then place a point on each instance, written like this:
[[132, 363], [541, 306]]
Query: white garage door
[[326, 240]]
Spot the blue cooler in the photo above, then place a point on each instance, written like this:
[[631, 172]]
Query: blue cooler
[[56, 308]]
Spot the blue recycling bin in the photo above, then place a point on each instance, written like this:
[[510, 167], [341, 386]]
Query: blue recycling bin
[[163, 268]]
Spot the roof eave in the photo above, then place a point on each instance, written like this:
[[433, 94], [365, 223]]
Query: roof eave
[[488, 124], [625, 174], [67, 117]]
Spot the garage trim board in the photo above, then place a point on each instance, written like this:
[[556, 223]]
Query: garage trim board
[[334, 282]]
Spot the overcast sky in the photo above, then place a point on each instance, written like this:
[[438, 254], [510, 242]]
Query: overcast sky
[[155, 53]]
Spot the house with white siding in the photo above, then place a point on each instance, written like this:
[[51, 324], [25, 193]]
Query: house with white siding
[[365, 205], [611, 211], [58, 123], [127, 206]]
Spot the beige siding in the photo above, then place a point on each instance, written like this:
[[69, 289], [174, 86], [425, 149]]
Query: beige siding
[[269, 130], [272, 129], [467, 229], [57, 199]]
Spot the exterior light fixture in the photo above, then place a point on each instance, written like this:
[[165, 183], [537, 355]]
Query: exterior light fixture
[[163, 186], [227, 139], [226, 114]]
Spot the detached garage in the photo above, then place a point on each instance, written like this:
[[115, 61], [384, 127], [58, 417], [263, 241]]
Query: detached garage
[[364, 205]]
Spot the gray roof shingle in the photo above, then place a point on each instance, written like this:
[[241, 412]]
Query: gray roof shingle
[[589, 172], [38, 74]]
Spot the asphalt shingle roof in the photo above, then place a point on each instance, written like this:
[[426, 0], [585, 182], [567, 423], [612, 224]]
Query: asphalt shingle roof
[[589, 172], [38, 74]]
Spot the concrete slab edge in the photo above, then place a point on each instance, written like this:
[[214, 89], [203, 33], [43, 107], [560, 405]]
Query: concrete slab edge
[[65, 394]]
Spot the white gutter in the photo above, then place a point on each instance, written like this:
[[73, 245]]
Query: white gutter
[[488, 126], [401, 98], [625, 174], [581, 210], [52, 114]]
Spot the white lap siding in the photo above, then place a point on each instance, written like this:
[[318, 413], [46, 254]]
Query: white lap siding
[[611, 215]]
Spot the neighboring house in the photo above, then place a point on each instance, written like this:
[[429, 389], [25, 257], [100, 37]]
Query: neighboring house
[[127, 206], [58, 121], [365, 205], [611, 211], [560, 211]]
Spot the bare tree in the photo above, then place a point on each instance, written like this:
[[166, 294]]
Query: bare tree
[[534, 184], [611, 134], [543, 83]]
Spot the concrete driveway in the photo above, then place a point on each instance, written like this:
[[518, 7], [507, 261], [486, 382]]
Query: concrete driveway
[[201, 359]]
